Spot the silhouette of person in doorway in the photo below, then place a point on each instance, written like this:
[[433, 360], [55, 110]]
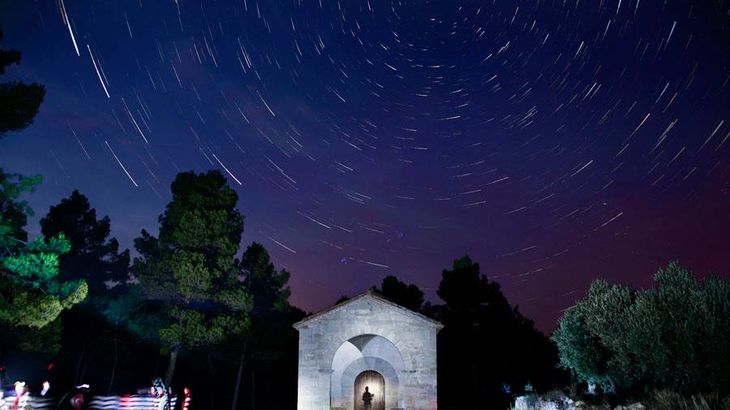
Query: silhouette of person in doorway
[[367, 398]]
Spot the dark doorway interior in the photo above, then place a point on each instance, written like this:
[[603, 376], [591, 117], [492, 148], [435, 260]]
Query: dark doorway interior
[[375, 384]]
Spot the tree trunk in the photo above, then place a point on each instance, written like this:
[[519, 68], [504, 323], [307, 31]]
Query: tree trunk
[[475, 379], [171, 366], [212, 383], [253, 387], [86, 367], [79, 362], [114, 367], [156, 372], [238, 379]]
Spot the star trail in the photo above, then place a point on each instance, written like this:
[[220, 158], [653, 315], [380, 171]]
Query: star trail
[[554, 141]]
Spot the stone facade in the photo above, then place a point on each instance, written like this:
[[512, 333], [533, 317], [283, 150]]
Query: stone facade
[[364, 333]]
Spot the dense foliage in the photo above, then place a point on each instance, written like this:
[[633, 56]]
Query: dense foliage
[[487, 349], [188, 278], [31, 294], [409, 296], [19, 102], [269, 350], [93, 256], [673, 335], [267, 285], [190, 291], [14, 210]]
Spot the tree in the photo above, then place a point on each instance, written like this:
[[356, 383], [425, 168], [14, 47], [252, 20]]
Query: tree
[[408, 296], [19, 102], [18, 106], [486, 343], [187, 275], [269, 287], [14, 211], [94, 256], [463, 287], [673, 335], [717, 315], [342, 299], [682, 333], [271, 314], [33, 297], [581, 350], [31, 294]]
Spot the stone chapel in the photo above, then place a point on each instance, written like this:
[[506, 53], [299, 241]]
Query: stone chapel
[[367, 343]]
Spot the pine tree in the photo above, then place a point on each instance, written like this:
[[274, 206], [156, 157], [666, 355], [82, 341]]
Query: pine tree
[[31, 294], [187, 275], [486, 343], [94, 256], [19, 102], [271, 315], [408, 296]]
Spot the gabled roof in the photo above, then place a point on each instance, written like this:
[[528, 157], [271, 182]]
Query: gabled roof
[[371, 295]]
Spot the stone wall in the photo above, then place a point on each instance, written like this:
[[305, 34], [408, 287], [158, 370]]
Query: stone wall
[[410, 378]]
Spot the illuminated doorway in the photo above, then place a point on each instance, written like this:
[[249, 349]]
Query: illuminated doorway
[[375, 384]]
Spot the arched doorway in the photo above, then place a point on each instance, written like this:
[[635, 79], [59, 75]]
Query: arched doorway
[[357, 355], [375, 383]]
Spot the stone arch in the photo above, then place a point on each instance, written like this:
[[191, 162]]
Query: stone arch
[[337, 343], [360, 353], [355, 331]]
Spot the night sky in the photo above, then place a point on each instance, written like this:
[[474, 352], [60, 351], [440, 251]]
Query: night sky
[[554, 141]]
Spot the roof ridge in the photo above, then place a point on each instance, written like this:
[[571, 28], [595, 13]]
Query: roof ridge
[[375, 295]]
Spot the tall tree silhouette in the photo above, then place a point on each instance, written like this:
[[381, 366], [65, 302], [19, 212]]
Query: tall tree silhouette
[[408, 296], [264, 349], [31, 294], [187, 275], [486, 343], [18, 106], [269, 287], [19, 102], [94, 256]]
